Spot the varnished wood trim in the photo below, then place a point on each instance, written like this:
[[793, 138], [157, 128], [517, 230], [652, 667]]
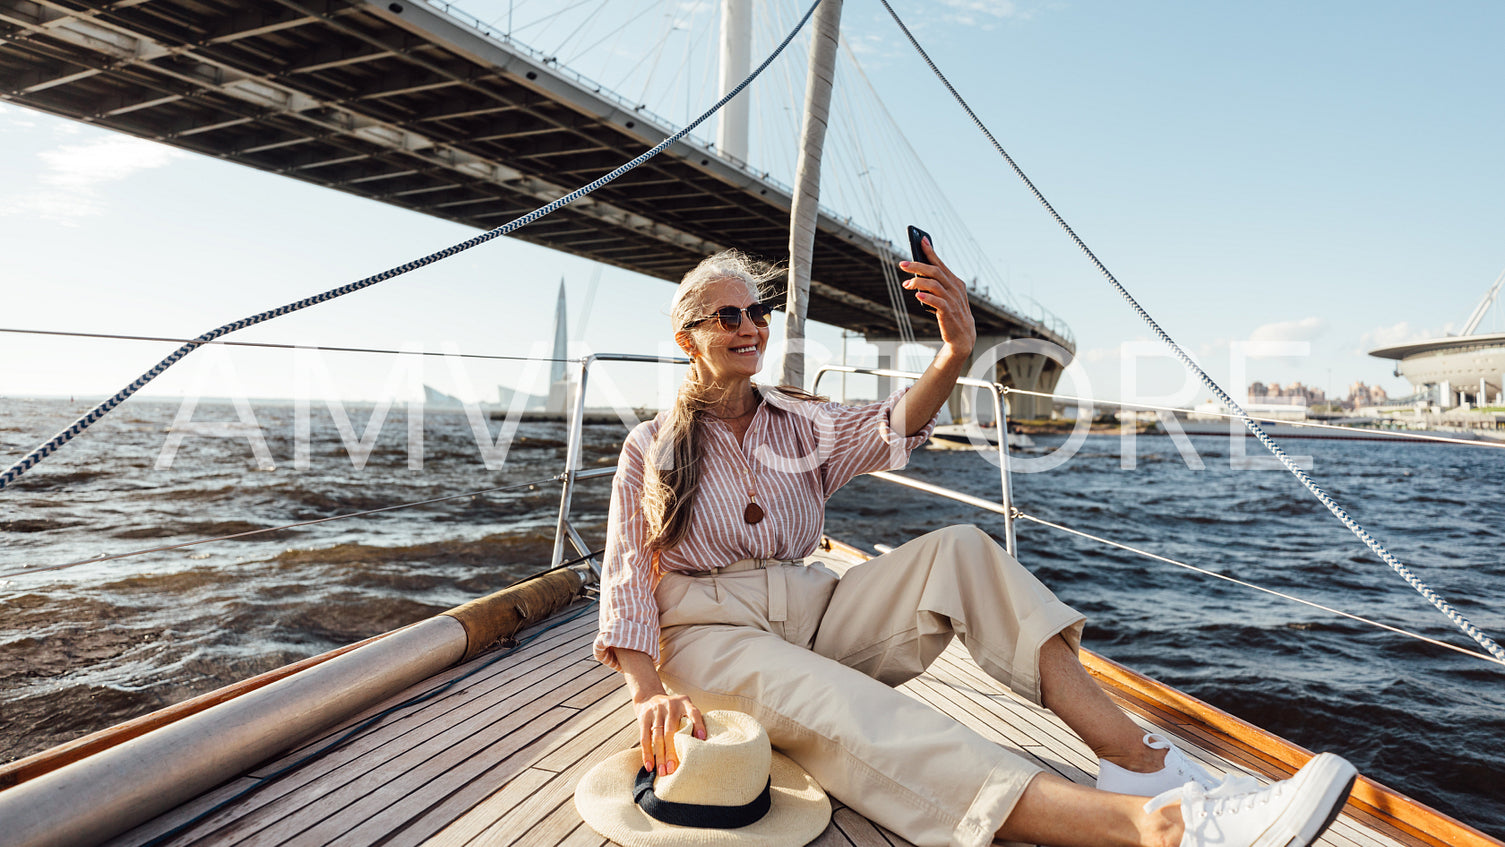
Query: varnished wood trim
[[33, 766]]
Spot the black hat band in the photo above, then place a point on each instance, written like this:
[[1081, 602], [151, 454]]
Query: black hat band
[[695, 814]]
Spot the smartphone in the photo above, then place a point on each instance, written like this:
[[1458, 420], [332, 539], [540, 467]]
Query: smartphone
[[917, 251]]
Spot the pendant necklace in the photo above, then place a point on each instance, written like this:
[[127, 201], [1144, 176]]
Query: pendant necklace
[[753, 513]]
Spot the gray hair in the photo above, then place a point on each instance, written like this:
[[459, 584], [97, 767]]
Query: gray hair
[[689, 300], [672, 473]]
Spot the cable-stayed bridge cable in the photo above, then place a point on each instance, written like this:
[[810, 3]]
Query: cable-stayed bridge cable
[[1254, 429], [47, 448]]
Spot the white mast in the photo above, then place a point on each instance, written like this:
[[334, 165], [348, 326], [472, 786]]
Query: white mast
[[736, 61], [806, 209]]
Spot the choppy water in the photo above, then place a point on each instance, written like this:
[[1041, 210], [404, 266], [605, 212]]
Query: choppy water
[[89, 646]]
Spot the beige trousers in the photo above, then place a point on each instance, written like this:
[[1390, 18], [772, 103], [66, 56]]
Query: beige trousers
[[813, 658]]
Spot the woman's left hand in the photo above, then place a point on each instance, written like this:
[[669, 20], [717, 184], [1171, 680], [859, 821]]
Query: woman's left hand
[[937, 287]]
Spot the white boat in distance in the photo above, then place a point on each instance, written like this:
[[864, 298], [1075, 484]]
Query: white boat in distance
[[975, 435], [1345, 429]]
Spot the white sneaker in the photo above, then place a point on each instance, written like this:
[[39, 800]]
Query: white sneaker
[[1293, 813], [1178, 771]]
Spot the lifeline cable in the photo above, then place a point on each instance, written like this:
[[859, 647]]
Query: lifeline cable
[[28, 571], [997, 509], [1367, 434], [1018, 515], [83, 423], [272, 345], [1254, 429]]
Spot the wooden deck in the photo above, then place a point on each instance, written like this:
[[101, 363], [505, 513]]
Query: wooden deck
[[495, 758]]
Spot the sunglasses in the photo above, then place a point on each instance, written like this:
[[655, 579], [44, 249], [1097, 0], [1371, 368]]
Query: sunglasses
[[731, 316]]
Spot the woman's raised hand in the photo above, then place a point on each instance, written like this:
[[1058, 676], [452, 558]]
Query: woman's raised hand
[[936, 286], [659, 717]]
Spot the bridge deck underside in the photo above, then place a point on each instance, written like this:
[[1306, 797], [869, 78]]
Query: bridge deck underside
[[409, 107]]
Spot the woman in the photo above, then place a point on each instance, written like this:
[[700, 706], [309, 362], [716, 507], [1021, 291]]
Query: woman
[[708, 604]]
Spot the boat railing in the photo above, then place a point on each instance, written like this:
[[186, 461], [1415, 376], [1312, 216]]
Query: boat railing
[[1005, 506], [1010, 512], [565, 532], [573, 472], [585, 561], [996, 392]]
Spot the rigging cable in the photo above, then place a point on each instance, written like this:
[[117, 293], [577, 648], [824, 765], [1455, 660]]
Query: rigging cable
[[1254, 429], [104, 408]]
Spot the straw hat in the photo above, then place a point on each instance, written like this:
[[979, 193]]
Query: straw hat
[[732, 777]]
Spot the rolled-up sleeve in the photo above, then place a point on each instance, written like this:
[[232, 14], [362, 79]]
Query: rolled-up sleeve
[[629, 614], [863, 440]]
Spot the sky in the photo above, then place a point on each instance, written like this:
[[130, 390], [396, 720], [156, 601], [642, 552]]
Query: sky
[[1324, 177]]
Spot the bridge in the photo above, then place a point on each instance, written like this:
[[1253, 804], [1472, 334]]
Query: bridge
[[404, 103]]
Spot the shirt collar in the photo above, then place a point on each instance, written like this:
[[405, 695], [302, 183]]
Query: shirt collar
[[776, 398]]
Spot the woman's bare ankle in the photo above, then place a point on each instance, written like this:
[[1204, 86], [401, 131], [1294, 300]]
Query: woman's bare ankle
[[1140, 759]]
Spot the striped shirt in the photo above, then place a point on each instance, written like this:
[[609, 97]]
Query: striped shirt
[[795, 454]]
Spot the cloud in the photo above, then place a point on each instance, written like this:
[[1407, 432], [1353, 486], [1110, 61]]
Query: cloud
[[67, 185], [1398, 334], [982, 13], [12, 118], [868, 45], [83, 166], [1305, 329]]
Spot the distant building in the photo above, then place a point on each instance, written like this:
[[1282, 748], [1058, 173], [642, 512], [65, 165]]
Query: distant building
[[1361, 395], [1294, 394], [1453, 371], [1459, 369]]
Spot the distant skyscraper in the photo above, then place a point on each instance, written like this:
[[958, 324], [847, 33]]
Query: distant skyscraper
[[557, 373]]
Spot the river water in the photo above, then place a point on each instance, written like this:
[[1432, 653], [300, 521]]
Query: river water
[[89, 646]]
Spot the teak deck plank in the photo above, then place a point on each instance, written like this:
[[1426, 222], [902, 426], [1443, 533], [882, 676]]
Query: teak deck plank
[[423, 756], [862, 832], [505, 816], [549, 650], [443, 797], [182, 814], [583, 836], [303, 777], [496, 759]]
